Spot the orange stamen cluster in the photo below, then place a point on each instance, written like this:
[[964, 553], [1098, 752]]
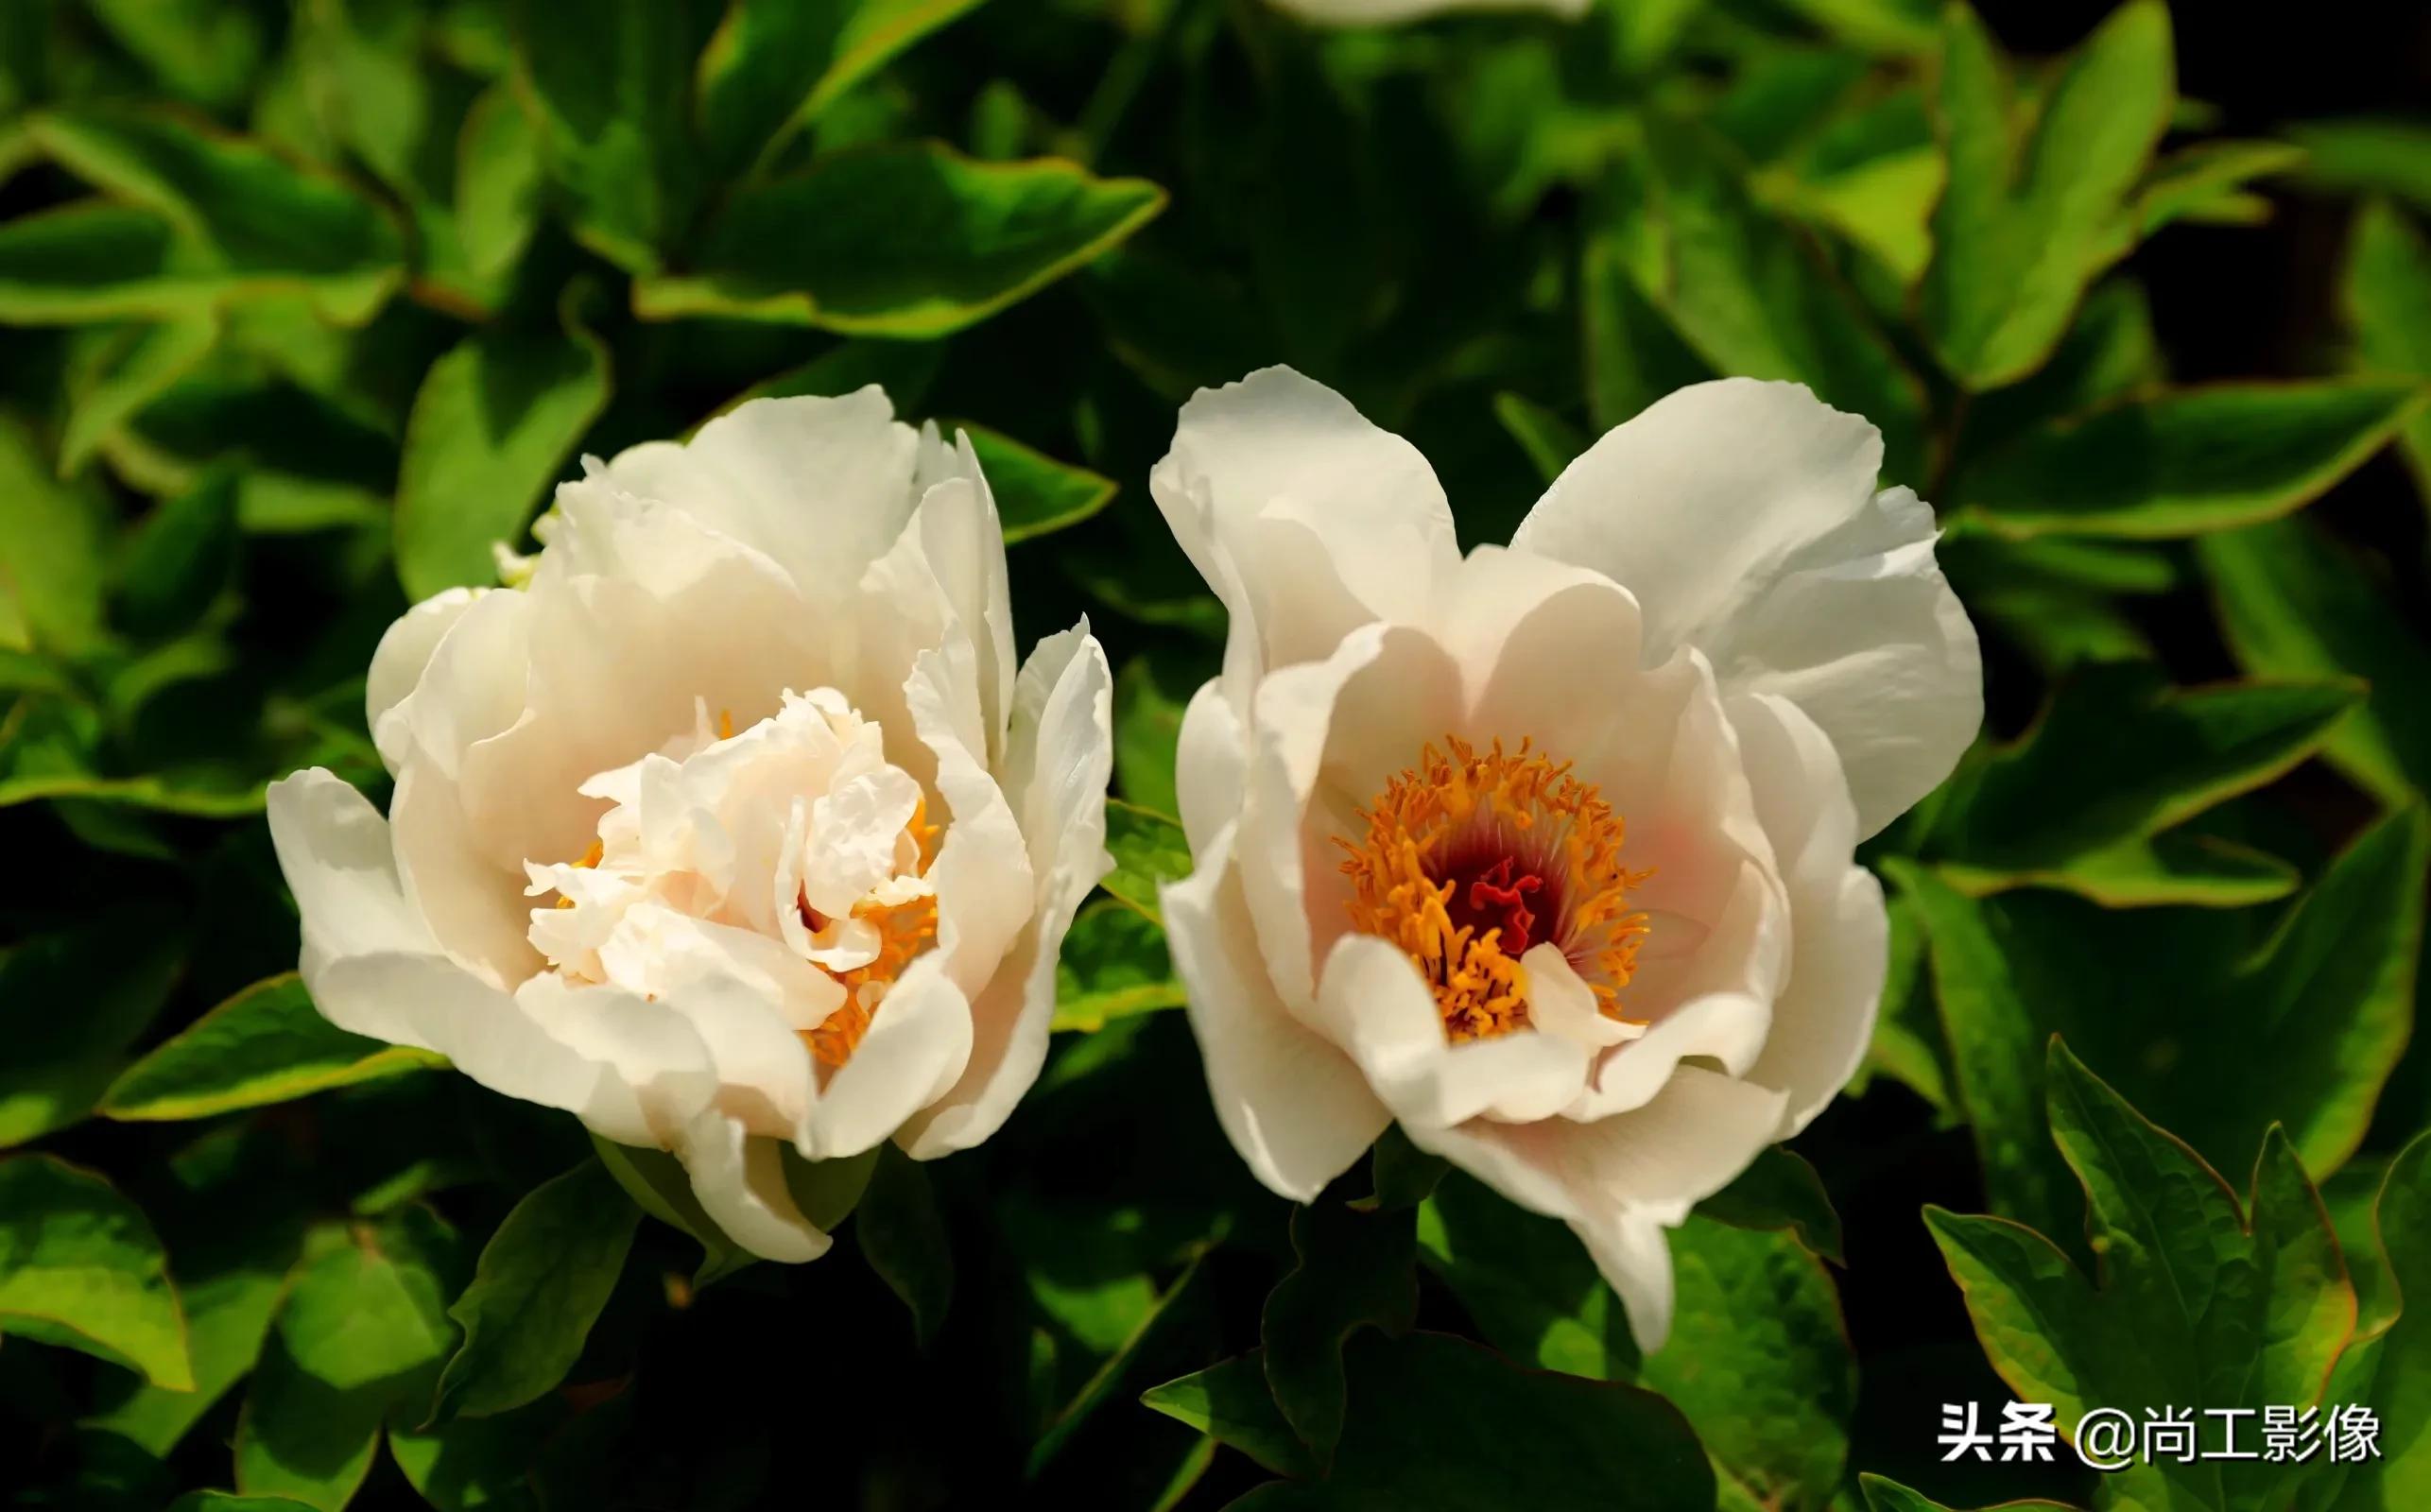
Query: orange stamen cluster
[[1472, 857], [902, 929]]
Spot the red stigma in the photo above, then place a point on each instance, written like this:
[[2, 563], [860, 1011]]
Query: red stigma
[[1496, 889]]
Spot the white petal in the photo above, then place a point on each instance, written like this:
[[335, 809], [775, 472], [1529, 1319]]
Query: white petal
[[1713, 959], [918, 1044], [963, 539], [1540, 642], [820, 485], [373, 968], [1621, 1180], [397, 665], [1210, 762], [740, 1180], [1744, 517], [1840, 934], [1297, 1109], [1058, 756], [1560, 1004], [1327, 735], [1374, 1005], [1305, 518], [986, 890], [470, 687]]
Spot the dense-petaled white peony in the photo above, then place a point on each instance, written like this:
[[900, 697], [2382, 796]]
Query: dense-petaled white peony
[[734, 827], [1547, 852]]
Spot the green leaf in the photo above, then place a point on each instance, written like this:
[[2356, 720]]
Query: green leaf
[[2142, 757], [1759, 1361], [1229, 1402], [53, 539], [480, 1463], [2185, 462], [228, 1315], [358, 1339], [137, 365], [2294, 604], [1149, 850], [1889, 1496], [904, 1238], [230, 1501], [1355, 1270], [904, 241], [2020, 230], [1527, 1281], [491, 428], [1150, 694], [1114, 964], [1753, 299], [2389, 1367], [202, 52], [1035, 494], [2198, 1301], [80, 1266], [1550, 442], [265, 1044], [2221, 1021], [1757, 1357], [2203, 181], [2380, 155], [658, 1185], [1122, 1359], [1405, 1176], [541, 1283], [179, 559], [606, 83], [1780, 1191], [1527, 1438], [253, 217], [1995, 1039], [2387, 294], [774, 65], [60, 1062], [498, 180]]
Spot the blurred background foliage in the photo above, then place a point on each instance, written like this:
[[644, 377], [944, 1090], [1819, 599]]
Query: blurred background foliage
[[303, 306]]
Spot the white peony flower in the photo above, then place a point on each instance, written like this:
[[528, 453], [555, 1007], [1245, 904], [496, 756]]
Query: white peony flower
[[735, 825], [1547, 852]]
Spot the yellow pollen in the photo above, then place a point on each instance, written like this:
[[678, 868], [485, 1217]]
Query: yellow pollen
[[725, 724], [902, 929], [1469, 858]]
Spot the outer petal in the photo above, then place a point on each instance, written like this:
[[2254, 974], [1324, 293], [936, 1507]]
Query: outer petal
[[1326, 735], [397, 665], [1210, 759], [1305, 519], [1297, 1109], [1373, 1003], [740, 1180], [372, 968], [918, 1044], [1059, 753], [820, 485], [1621, 1180], [1840, 934], [1743, 515]]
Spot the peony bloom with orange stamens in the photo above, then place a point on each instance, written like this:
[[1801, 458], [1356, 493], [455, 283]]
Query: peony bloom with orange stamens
[[733, 830], [1547, 852]]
